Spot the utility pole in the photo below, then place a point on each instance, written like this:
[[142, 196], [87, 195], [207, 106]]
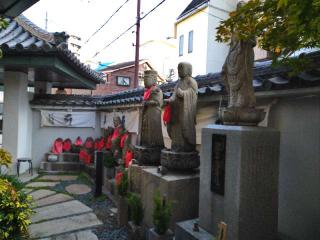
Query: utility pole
[[136, 66], [46, 21]]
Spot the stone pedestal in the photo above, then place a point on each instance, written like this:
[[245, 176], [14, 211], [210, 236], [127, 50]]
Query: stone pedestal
[[184, 231], [152, 235], [147, 156], [182, 161], [134, 175], [122, 216], [182, 189], [239, 181], [135, 232]]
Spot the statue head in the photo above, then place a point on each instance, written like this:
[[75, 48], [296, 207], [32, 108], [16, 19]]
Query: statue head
[[184, 69], [240, 4], [150, 78], [116, 121]]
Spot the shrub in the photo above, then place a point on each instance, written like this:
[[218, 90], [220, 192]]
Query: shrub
[[15, 211], [122, 183], [161, 214], [136, 209], [108, 160], [5, 158]]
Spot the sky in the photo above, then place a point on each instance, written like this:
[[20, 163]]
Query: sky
[[84, 17]]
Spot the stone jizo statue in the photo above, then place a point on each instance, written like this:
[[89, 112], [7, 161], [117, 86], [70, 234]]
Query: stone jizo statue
[[151, 132], [237, 74], [183, 103]]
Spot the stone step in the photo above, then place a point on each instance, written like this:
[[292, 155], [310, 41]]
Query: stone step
[[63, 226], [41, 184], [54, 167], [53, 199], [82, 235], [60, 210], [42, 193], [58, 178]]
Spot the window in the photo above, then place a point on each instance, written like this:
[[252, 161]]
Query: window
[[190, 42], [181, 39], [123, 81]]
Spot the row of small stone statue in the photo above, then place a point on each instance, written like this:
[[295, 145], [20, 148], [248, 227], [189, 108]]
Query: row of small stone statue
[[179, 117]]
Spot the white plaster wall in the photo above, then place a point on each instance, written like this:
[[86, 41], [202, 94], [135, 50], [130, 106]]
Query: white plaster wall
[[197, 23], [43, 137], [17, 117], [217, 52], [162, 56]]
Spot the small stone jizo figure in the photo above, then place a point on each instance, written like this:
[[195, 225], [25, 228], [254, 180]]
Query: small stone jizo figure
[[151, 133], [183, 104]]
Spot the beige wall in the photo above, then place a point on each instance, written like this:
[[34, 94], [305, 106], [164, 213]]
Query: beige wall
[[43, 137]]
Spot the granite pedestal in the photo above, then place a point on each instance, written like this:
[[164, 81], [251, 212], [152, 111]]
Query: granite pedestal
[[182, 189], [239, 181]]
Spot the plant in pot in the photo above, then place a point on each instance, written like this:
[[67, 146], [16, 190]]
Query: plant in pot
[[122, 190], [136, 216], [109, 164], [161, 219]]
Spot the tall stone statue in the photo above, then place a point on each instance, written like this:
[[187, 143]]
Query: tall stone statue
[[237, 74], [181, 125], [183, 103], [151, 113], [148, 152]]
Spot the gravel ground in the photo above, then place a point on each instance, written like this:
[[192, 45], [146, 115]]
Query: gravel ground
[[101, 207]]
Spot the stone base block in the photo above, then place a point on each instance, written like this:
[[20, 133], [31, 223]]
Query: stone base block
[[239, 181], [134, 174], [65, 157], [180, 188], [184, 231], [179, 160], [152, 235], [147, 156], [136, 232], [54, 167], [242, 116]]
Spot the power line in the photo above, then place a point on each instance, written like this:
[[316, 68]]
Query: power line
[[108, 20], [128, 29], [158, 5], [109, 44]]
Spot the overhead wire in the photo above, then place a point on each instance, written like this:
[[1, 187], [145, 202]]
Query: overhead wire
[[106, 22], [128, 29]]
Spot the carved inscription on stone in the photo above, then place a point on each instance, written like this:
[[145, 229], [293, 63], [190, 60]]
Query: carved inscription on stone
[[218, 163]]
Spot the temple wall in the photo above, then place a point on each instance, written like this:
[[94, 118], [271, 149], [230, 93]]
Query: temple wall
[[43, 137], [299, 180]]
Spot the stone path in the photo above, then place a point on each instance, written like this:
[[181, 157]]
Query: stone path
[[78, 189], [59, 216]]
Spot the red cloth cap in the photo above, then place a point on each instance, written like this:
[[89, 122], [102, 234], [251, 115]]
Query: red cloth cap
[[67, 145], [57, 146]]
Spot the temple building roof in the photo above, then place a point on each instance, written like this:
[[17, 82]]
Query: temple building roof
[[268, 81], [26, 46], [13, 8]]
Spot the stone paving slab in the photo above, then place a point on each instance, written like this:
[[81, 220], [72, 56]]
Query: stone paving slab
[[57, 198], [78, 189], [28, 190], [42, 193], [82, 235], [59, 210], [64, 225], [59, 177], [41, 184]]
